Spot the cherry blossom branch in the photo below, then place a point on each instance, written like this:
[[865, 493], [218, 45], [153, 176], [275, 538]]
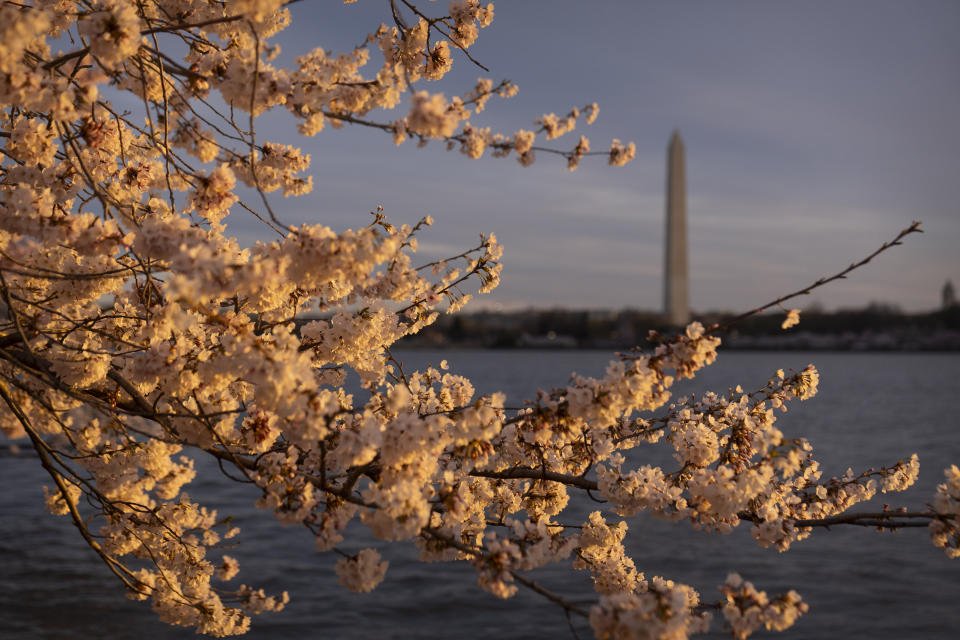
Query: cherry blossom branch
[[538, 474], [432, 22], [116, 567], [913, 228], [477, 552], [881, 519]]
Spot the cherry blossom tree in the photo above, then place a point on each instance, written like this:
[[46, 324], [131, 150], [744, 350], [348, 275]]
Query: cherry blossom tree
[[137, 335]]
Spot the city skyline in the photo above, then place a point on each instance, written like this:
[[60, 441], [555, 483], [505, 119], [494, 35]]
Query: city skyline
[[813, 135]]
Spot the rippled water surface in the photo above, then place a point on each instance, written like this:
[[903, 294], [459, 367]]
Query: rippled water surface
[[872, 409]]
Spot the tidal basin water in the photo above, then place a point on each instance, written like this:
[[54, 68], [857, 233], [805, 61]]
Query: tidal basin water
[[872, 409]]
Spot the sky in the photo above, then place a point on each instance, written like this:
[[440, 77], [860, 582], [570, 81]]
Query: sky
[[814, 132]]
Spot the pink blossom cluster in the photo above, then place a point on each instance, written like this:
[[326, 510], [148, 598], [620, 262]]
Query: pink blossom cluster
[[945, 528]]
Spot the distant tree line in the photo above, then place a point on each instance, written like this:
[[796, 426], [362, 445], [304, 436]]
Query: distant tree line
[[563, 328]]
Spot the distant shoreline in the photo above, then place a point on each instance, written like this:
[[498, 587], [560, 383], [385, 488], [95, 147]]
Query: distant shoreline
[[411, 346], [876, 328]]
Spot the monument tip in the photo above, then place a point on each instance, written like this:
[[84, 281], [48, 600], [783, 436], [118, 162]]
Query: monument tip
[[676, 142]]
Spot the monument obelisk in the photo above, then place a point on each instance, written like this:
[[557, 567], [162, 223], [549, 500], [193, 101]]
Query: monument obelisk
[[675, 286]]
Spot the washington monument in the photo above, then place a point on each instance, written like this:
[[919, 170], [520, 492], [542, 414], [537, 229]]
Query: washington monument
[[675, 287]]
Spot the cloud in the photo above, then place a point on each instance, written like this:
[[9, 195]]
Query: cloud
[[813, 134]]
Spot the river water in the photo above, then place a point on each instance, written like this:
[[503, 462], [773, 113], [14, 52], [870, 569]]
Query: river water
[[872, 409]]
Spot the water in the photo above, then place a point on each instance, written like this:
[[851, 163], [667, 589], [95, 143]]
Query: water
[[872, 409]]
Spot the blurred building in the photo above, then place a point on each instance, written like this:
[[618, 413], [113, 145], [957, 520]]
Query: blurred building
[[948, 296]]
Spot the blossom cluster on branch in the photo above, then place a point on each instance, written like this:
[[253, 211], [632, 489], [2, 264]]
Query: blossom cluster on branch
[[137, 333]]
